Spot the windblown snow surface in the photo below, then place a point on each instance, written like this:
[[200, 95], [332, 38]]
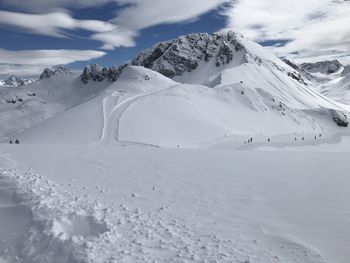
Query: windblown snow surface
[[150, 169]]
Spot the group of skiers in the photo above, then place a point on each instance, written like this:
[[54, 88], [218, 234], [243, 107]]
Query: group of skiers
[[16, 142], [250, 140]]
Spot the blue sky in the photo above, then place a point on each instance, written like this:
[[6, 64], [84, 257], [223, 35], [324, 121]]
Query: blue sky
[[44, 33], [18, 40]]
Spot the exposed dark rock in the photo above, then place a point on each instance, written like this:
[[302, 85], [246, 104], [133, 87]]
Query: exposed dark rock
[[290, 63], [339, 118], [324, 67], [175, 57], [97, 73], [47, 73]]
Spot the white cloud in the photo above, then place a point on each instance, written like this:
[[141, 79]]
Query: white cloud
[[115, 38], [314, 28], [140, 14], [58, 24], [49, 5], [29, 62], [120, 31], [52, 24], [143, 14]]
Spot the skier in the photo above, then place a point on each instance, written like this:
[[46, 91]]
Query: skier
[[268, 139], [11, 142], [17, 141]]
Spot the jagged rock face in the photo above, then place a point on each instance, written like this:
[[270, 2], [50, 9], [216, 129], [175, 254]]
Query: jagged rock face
[[290, 63], [340, 118], [14, 81], [48, 73], [346, 71], [175, 57], [62, 70], [97, 73], [324, 67]]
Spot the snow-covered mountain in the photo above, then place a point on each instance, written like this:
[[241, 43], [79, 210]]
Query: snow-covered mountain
[[48, 73], [222, 86], [14, 81], [23, 107], [330, 78], [192, 91], [126, 164], [323, 67], [189, 55]]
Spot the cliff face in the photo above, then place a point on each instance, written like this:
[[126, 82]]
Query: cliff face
[[175, 57]]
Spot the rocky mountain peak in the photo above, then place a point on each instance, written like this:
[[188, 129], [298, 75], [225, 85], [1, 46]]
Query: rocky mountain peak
[[175, 57], [48, 73], [15, 81], [324, 67], [97, 73], [184, 54], [290, 63], [62, 70]]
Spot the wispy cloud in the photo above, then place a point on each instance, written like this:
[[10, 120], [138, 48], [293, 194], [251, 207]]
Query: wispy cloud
[[30, 62], [52, 24], [314, 28], [50, 18], [141, 14], [50, 5], [120, 31]]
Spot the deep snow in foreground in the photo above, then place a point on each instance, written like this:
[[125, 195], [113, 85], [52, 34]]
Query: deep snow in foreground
[[142, 204]]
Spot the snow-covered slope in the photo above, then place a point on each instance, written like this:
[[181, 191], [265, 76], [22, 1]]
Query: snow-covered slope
[[24, 107], [101, 203], [144, 107], [94, 178], [237, 91], [330, 78]]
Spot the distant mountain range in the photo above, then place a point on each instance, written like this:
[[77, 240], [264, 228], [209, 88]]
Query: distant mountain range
[[14, 81]]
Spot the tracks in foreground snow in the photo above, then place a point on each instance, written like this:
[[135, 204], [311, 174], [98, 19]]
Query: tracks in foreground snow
[[60, 226]]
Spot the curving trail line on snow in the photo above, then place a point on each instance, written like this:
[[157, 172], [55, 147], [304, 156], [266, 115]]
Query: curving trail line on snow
[[112, 115]]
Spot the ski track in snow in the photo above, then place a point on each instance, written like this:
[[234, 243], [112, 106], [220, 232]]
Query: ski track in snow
[[112, 114], [53, 225]]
